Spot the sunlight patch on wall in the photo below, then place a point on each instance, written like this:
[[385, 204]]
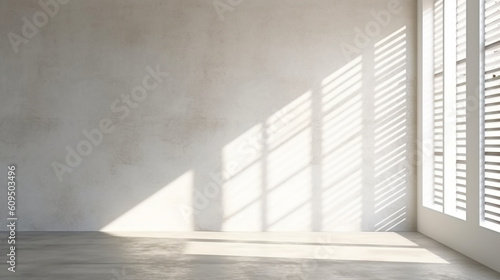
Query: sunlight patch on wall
[[160, 211], [267, 182], [341, 148], [242, 172], [391, 146], [288, 177]]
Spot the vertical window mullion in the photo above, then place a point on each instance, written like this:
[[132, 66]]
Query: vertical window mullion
[[474, 43]]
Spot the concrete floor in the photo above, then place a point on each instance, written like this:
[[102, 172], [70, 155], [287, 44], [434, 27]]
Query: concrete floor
[[210, 255]]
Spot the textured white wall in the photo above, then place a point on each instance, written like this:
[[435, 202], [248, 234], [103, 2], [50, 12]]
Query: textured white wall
[[275, 115]]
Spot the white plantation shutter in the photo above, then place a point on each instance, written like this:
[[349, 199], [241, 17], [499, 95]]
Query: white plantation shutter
[[491, 191], [461, 108], [438, 188], [449, 114]]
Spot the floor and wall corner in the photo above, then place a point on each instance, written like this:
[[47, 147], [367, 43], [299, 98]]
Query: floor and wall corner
[[191, 139]]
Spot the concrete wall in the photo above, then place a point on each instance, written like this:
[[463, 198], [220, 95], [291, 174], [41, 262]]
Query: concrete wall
[[274, 115]]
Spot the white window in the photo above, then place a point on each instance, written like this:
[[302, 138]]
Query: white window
[[448, 194], [490, 203]]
